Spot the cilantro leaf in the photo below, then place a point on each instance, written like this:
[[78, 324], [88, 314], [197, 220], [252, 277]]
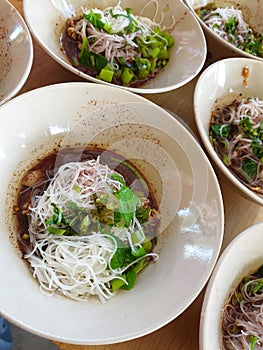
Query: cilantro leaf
[[128, 203], [231, 25], [257, 148], [121, 258], [130, 277], [221, 130], [100, 61], [94, 18], [142, 214], [86, 58], [249, 169]]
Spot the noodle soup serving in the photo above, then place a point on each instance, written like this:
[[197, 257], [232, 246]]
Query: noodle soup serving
[[143, 46], [229, 24], [236, 25], [228, 104], [116, 46], [87, 227]]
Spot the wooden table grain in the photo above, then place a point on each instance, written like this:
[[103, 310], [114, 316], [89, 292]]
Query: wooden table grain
[[181, 333]]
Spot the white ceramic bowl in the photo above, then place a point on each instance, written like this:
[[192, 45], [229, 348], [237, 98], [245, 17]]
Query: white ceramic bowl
[[175, 166], [241, 257], [252, 11], [224, 79], [16, 51], [47, 18]]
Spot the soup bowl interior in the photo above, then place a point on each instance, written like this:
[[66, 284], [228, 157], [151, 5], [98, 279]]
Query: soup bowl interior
[[16, 51], [182, 179], [252, 13], [222, 82], [228, 273], [187, 56]]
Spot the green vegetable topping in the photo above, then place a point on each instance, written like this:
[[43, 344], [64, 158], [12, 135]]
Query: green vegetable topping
[[106, 75], [130, 278], [221, 130], [226, 160], [127, 76], [96, 20], [128, 203], [249, 168], [253, 340], [117, 38], [231, 25], [258, 286], [122, 258]]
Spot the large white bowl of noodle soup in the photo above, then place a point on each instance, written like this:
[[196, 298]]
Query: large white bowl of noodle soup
[[219, 85], [46, 21], [252, 13], [180, 175], [227, 275]]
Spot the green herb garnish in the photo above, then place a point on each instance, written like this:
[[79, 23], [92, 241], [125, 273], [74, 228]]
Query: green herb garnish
[[221, 130], [249, 169], [253, 340]]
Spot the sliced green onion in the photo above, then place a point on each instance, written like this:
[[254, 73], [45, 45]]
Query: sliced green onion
[[83, 47], [127, 76], [106, 75], [155, 52], [163, 54]]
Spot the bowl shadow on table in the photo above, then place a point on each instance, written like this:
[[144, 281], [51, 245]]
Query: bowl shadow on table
[[24, 340]]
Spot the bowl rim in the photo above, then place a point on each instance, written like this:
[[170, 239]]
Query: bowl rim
[[30, 58], [204, 136], [138, 90]]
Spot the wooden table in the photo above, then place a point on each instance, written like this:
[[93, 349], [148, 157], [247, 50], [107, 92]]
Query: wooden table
[[182, 333]]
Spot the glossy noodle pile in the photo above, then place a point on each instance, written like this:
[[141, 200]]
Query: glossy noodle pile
[[88, 234]]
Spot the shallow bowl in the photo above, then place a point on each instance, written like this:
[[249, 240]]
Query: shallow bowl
[[178, 172], [252, 12], [16, 51], [241, 257], [223, 81], [46, 21]]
